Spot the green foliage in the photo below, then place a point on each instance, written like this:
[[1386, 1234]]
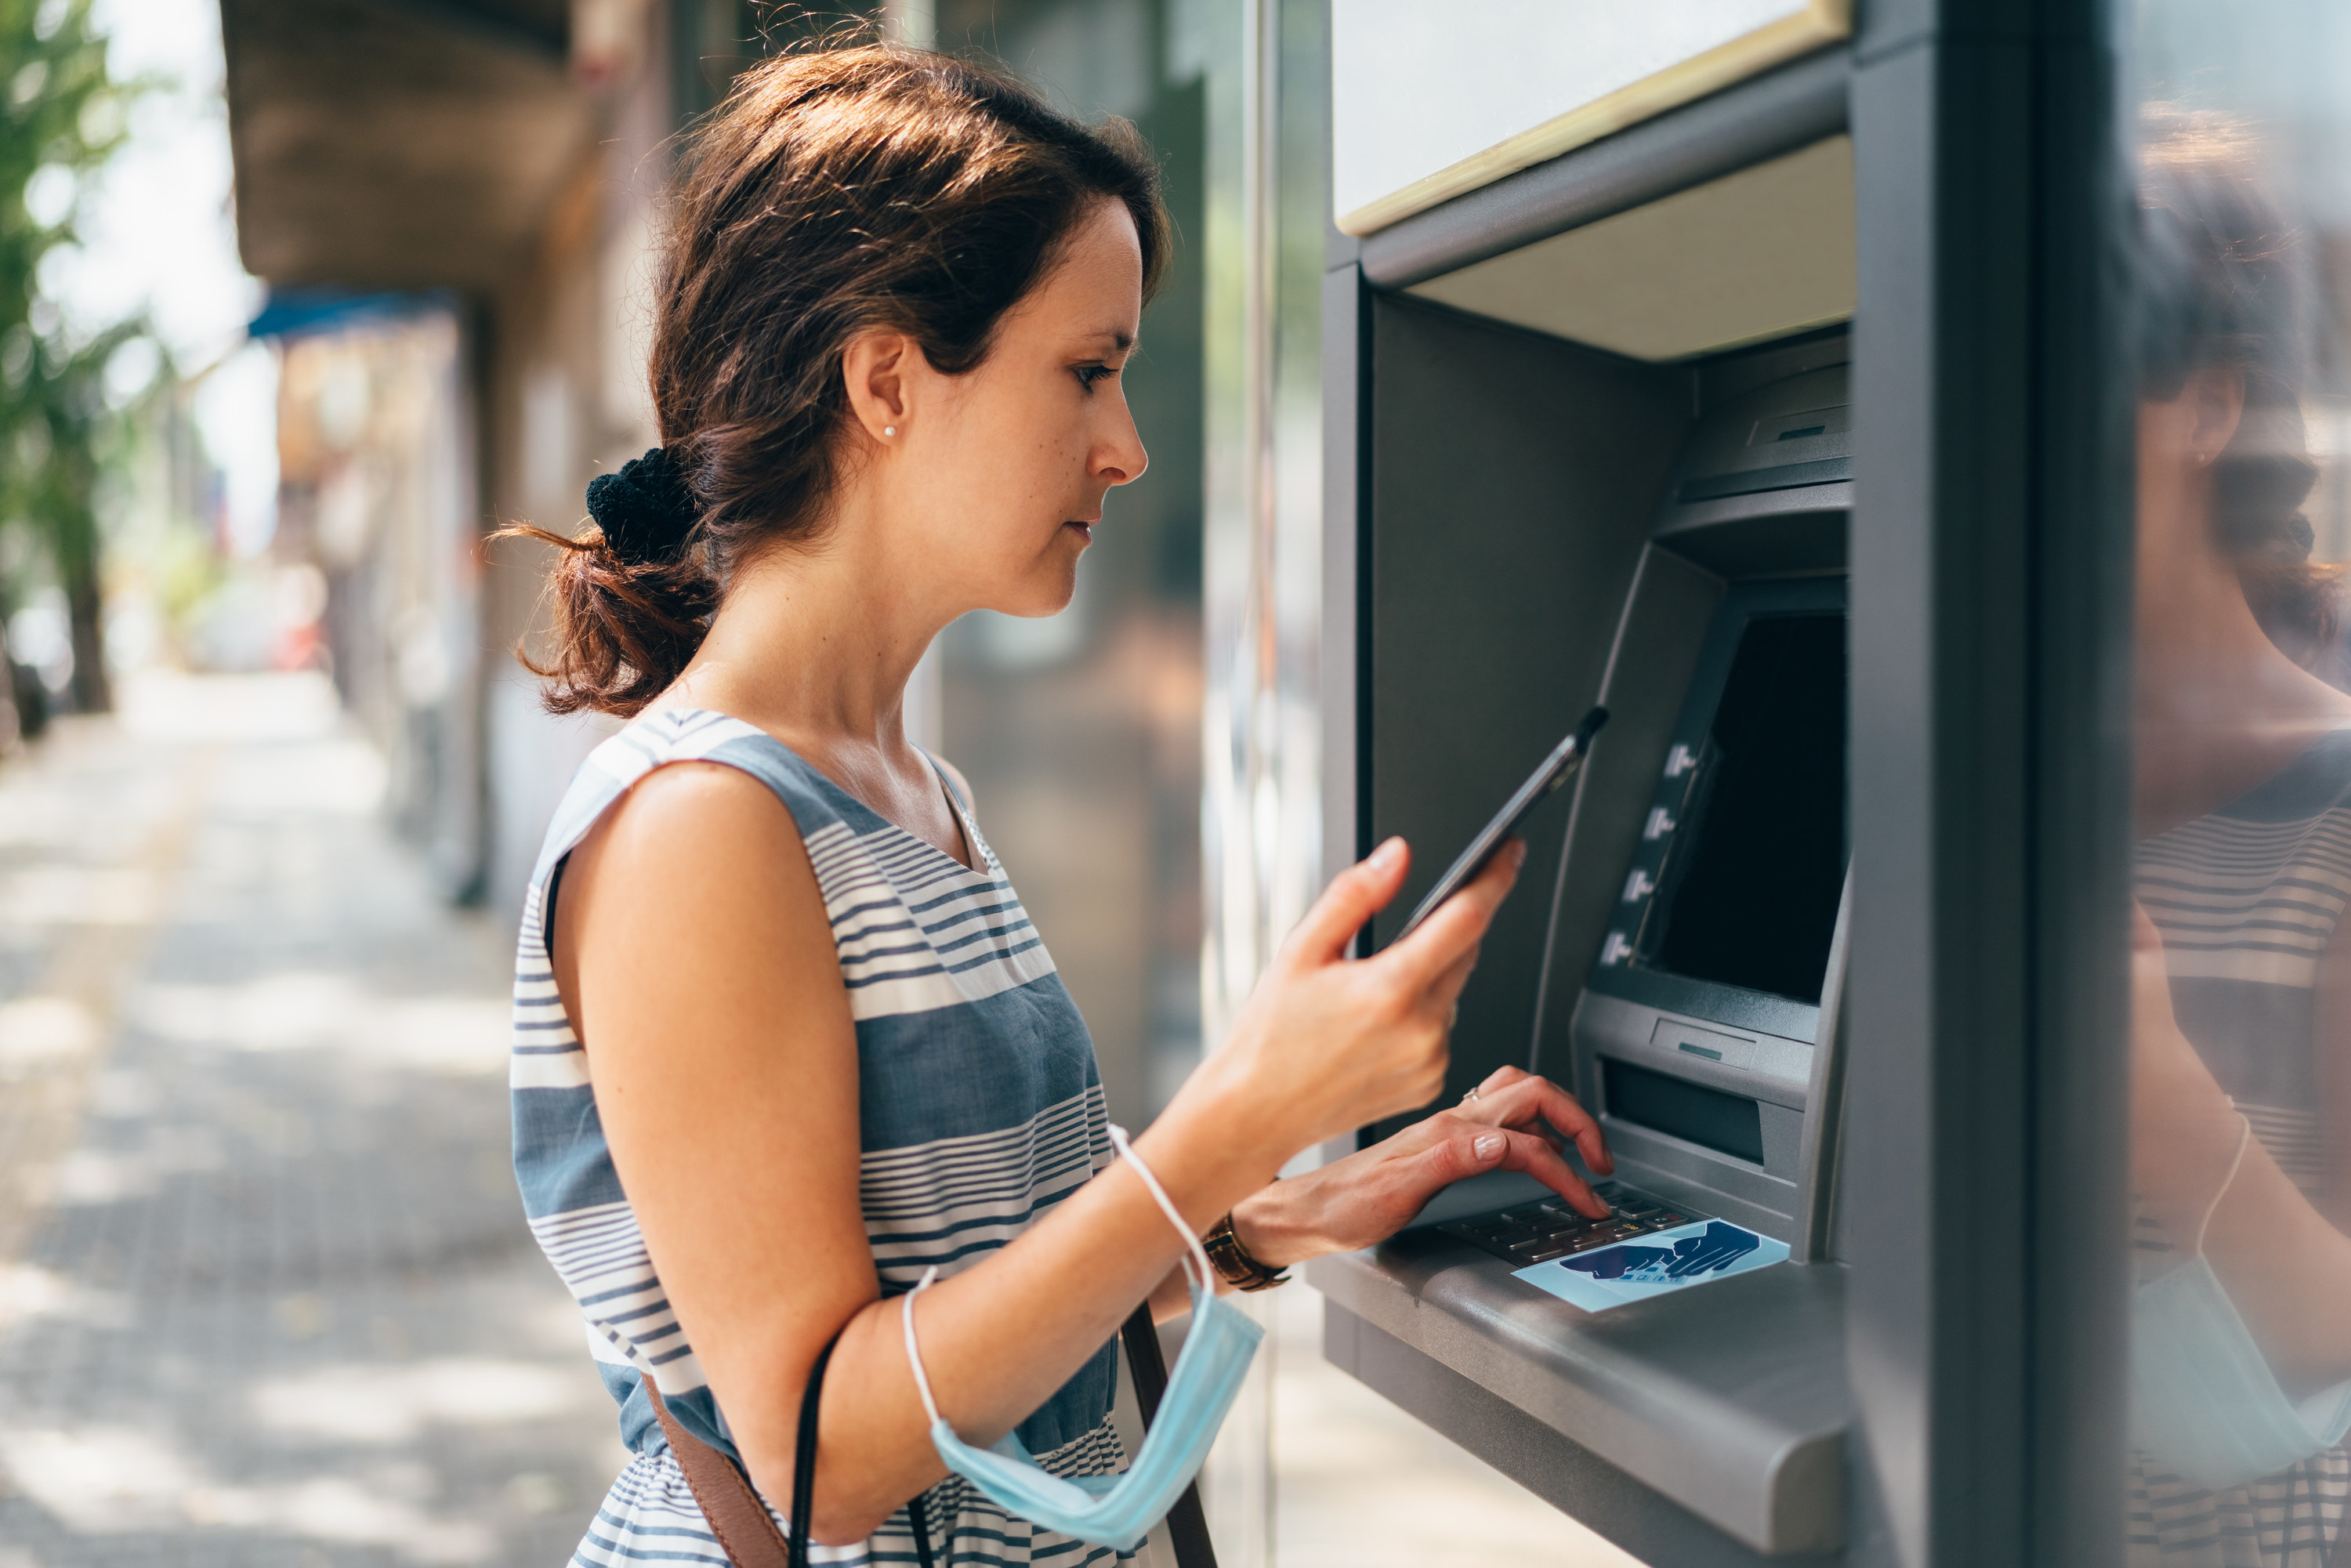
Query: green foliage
[[61, 116]]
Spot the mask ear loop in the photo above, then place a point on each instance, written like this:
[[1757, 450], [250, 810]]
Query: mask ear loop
[[2236, 1162], [1195, 1256], [1195, 1259], [915, 1356]]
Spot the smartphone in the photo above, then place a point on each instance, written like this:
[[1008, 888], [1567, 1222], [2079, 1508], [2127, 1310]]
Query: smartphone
[[1556, 770]]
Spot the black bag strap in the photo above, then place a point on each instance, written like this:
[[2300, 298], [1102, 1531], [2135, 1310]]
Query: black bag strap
[[736, 1515], [1187, 1526], [804, 1457], [919, 1517]]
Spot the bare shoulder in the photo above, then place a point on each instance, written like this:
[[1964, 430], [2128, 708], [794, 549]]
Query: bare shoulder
[[688, 820], [683, 805], [699, 861]]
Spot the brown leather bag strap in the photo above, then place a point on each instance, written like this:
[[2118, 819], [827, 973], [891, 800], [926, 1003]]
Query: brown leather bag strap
[[737, 1516], [745, 1531]]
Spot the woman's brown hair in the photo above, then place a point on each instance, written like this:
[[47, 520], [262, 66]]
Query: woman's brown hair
[[2224, 283], [834, 192]]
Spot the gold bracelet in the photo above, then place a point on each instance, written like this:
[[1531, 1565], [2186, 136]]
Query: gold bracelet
[[1233, 1262]]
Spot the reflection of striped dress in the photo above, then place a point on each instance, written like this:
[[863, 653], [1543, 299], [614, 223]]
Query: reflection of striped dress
[[979, 1108], [2248, 900]]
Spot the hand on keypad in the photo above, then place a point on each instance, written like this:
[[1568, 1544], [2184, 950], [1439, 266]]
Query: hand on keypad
[[1539, 1232]]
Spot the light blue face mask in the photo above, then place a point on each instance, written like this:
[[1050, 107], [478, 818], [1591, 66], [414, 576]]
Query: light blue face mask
[[1117, 1510], [2204, 1402]]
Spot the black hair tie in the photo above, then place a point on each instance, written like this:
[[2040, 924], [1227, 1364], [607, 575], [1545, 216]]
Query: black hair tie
[[645, 509]]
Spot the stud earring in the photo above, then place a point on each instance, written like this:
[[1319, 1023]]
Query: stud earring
[[889, 430]]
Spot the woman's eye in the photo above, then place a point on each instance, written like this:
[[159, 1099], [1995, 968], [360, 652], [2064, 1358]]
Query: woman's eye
[[1089, 375]]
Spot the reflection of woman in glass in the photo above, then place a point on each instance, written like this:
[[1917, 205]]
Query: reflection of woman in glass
[[2242, 1342]]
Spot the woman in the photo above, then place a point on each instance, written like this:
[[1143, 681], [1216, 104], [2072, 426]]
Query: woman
[[2241, 1362], [786, 1039]]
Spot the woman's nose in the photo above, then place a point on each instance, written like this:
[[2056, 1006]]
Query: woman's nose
[[1122, 460]]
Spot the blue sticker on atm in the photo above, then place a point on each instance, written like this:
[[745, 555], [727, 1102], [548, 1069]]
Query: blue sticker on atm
[[1694, 1254]]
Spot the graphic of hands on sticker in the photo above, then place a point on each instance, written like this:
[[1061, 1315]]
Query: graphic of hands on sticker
[[1719, 1248], [1695, 1254]]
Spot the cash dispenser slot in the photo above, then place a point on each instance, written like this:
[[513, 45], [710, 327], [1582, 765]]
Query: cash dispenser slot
[[1538, 526], [1729, 1125]]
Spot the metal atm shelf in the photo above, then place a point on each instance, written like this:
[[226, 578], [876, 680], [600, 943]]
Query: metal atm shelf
[[1727, 1400]]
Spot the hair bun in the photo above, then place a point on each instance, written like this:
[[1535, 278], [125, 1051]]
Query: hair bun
[[645, 509]]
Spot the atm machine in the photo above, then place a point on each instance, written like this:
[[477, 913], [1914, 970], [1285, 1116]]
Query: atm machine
[[1737, 422], [1669, 954]]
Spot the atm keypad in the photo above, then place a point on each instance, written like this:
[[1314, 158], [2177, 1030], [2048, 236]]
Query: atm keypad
[[1539, 1232]]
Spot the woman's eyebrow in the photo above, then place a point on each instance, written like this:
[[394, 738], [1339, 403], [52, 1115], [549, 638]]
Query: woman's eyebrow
[[1121, 339]]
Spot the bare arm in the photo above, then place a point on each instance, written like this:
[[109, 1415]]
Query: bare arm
[[693, 950]]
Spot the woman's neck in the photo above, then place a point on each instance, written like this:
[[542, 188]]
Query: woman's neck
[[803, 642], [815, 646], [2218, 708]]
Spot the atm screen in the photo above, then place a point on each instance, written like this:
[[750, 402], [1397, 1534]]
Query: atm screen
[[1754, 899]]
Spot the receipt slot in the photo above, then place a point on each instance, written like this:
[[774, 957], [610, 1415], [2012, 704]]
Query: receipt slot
[[1748, 422]]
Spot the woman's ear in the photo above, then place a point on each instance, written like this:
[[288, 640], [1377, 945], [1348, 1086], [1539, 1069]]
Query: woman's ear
[[872, 371], [2218, 395]]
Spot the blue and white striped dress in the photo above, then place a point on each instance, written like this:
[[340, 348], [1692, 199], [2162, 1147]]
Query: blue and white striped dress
[[2250, 901], [979, 1108]]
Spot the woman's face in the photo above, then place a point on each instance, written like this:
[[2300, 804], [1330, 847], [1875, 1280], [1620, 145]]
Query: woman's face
[[998, 474]]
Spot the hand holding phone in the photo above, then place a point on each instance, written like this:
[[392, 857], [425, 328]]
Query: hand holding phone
[[1555, 770]]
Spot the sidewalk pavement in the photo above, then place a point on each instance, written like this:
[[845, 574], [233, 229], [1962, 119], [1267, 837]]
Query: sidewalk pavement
[[1360, 1484], [267, 1299]]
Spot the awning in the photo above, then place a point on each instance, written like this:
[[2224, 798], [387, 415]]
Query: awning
[[398, 144]]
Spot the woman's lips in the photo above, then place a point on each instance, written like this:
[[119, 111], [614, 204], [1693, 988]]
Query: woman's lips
[[1086, 529]]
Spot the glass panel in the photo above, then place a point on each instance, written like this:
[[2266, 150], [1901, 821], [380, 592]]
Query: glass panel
[[2240, 1380], [1080, 732]]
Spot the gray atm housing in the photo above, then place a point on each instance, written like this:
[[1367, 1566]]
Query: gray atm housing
[[1513, 522], [1544, 526], [1518, 526]]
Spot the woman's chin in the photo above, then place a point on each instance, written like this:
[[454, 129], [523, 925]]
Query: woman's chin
[[1038, 601], [1055, 588]]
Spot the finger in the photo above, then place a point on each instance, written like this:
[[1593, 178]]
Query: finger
[[1525, 1151], [1456, 1158], [1459, 924], [1528, 1103], [1475, 1151], [1354, 895], [1501, 1078], [1566, 1113], [1447, 988], [1491, 1102]]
